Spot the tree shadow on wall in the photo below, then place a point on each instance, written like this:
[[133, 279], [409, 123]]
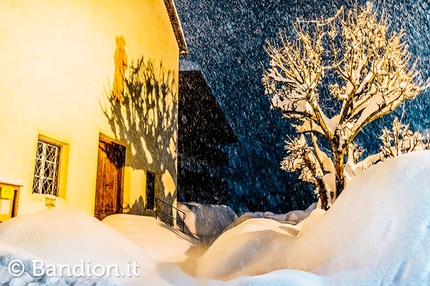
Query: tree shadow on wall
[[147, 119]]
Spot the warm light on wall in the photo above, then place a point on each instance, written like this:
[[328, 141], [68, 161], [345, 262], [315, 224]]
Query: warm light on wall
[[50, 202], [57, 72], [120, 58]]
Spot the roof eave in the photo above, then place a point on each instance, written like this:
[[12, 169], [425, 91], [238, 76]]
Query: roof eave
[[176, 25]]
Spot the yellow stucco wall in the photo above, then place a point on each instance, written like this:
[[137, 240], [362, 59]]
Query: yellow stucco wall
[[56, 60]]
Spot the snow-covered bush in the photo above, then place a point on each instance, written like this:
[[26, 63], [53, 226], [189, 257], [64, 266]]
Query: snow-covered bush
[[205, 221], [400, 140], [361, 73]]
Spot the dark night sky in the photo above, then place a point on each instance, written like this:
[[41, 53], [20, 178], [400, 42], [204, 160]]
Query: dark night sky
[[226, 38]]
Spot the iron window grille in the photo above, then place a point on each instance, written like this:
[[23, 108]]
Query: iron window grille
[[46, 170]]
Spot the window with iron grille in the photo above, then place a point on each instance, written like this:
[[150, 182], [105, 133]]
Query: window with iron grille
[[47, 167]]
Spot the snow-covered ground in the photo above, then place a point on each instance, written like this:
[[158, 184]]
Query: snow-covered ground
[[159, 241], [377, 233]]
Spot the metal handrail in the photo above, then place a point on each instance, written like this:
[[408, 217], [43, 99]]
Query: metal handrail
[[171, 217]]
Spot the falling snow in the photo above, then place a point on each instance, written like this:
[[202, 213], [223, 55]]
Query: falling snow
[[227, 39]]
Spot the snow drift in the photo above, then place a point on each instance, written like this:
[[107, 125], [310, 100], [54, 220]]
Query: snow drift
[[377, 232], [291, 218], [66, 236], [159, 241]]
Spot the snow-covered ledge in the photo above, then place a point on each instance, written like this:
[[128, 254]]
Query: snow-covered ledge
[[10, 181]]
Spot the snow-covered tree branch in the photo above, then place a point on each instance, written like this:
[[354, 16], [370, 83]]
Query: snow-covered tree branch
[[400, 140], [363, 67]]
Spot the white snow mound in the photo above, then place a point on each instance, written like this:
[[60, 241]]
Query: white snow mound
[[377, 233], [161, 242], [65, 236]]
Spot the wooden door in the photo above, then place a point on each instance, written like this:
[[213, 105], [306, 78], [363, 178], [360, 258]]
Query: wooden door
[[110, 179]]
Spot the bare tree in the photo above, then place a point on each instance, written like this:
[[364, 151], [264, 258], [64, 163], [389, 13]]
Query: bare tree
[[366, 73]]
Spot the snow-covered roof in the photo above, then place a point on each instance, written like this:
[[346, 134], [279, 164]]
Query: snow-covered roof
[[10, 181]]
